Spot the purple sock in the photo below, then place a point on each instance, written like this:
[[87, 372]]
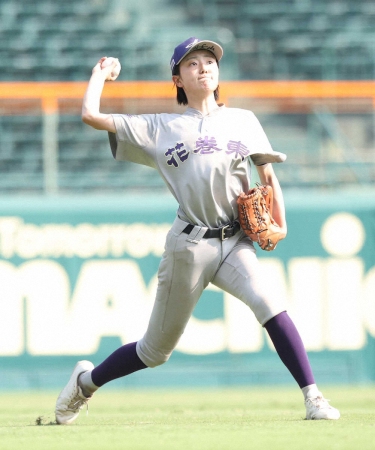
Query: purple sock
[[121, 362], [290, 348]]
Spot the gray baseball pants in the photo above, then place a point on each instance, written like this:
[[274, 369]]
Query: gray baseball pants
[[188, 265]]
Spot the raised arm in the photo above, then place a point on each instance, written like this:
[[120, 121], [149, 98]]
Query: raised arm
[[268, 176], [91, 114]]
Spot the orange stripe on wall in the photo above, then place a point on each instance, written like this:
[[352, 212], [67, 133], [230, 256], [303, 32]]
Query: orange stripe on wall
[[47, 91]]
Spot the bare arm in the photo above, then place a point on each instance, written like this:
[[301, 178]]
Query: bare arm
[[268, 176], [91, 114]]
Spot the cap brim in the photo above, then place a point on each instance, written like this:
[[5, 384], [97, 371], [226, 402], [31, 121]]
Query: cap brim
[[265, 158], [210, 46]]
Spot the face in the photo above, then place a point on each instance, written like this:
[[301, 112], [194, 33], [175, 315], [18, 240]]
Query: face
[[199, 73]]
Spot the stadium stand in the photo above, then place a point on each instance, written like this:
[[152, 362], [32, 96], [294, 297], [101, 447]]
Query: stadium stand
[[268, 39], [296, 39], [263, 40], [21, 161]]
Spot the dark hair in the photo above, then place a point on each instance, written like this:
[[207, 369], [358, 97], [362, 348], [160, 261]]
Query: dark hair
[[181, 96]]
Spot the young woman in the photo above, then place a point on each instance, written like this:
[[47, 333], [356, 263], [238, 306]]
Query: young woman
[[204, 156]]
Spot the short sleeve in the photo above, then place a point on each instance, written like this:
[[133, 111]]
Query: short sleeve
[[133, 140], [262, 152]]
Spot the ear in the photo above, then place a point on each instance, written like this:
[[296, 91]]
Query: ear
[[177, 81]]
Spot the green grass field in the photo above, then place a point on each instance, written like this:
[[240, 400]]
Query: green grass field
[[252, 418]]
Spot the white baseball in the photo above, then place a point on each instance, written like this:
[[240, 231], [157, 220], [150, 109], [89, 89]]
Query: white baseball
[[115, 71]]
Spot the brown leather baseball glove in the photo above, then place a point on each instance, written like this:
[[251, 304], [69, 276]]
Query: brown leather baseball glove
[[255, 217]]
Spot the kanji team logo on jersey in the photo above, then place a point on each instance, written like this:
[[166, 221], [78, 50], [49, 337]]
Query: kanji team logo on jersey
[[238, 148], [176, 154], [204, 146]]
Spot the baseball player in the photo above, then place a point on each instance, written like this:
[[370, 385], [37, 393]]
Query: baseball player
[[204, 156]]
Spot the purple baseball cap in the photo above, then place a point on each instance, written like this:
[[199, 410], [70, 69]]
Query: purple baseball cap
[[192, 44]]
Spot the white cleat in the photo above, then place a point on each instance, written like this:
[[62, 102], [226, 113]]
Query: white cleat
[[71, 399], [318, 408]]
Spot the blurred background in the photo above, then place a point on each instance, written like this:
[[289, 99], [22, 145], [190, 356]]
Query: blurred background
[[332, 141], [305, 67]]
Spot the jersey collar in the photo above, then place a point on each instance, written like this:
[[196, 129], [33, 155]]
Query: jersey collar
[[195, 113]]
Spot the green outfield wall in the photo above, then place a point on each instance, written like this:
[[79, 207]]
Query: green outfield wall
[[78, 277]]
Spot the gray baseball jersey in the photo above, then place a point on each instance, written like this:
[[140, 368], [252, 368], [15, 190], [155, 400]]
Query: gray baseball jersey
[[204, 160]]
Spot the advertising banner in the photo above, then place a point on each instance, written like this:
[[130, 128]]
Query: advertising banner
[[78, 277]]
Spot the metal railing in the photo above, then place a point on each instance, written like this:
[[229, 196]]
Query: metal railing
[[323, 101]]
